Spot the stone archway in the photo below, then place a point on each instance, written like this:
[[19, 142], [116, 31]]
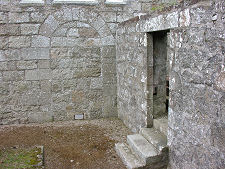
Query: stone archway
[[82, 59]]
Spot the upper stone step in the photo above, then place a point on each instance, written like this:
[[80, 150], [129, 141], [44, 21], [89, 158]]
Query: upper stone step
[[156, 138], [128, 158], [143, 149], [161, 124]]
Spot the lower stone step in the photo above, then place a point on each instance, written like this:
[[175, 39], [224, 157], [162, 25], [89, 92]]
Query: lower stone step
[[128, 158], [161, 124], [143, 149], [156, 138]]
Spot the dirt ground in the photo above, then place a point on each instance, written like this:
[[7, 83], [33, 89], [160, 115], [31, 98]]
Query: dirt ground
[[86, 144]]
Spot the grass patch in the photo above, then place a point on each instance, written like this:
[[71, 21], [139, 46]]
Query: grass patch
[[12, 158]]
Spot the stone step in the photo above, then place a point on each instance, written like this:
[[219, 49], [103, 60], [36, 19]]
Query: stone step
[[161, 124], [155, 137], [143, 149], [128, 158]]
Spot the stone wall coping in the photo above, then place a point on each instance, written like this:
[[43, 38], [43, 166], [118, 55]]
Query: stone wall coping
[[112, 2], [33, 2], [86, 2]]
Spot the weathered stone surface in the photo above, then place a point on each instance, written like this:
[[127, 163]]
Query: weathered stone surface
[[49, 26], [35, 53], [40, 41], [4, 42], [19, 17], [96, 83], [19, 41], [38, 74], [43, 64], [3, 17], [29, 29], [39, 117], [23, 65], [37, 16], [87, 32], [89, 72], [13, 75], [52, 56]]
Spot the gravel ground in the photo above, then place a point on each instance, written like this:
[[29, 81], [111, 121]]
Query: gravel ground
[[85, 144]]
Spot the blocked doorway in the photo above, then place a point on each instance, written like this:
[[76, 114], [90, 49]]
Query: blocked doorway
[[158, 76]]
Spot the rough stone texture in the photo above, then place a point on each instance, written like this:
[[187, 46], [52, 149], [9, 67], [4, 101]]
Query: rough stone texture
[[196, 69], [58, 60]]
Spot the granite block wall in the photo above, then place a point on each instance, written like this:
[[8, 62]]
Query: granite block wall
[[58, 60], [196, 75]]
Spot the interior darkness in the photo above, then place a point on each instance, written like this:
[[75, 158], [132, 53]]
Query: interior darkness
[[160, 75]]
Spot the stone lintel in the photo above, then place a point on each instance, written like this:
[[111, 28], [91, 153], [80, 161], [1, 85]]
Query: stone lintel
[[85, 2], [32, 2], [116, 2]]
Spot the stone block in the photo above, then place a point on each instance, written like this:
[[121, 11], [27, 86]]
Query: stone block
[[3, 17], [23, 65], [185, 18], [108, 40], [4, 41], [108, 69], [98, 23], [75, 13], [35, 53], [31, 75], [37, 16], [2, 56], [3, 30], [18, 17], [45, 85], [38, 74], [40, 41], [49, 26], [13, 29], [73, 32], [19, 41], [96, 83], [109, 52], [172, 20], [40, 117], [43, 64], [87, 33], [104, 31], [62, 73], [60, 32], [44, 74], [12, 54], [63, 15], [59, 53], [122, 16], [29, 29], [3, 66], [13, 75], [44, 98], [82, 25], [88, 72], [11, 65], [109, 16]]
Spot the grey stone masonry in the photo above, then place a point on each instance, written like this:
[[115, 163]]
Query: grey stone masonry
[[195, 51], [70, 48]]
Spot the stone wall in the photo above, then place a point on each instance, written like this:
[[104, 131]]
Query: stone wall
[[196, 103], [58, 60]]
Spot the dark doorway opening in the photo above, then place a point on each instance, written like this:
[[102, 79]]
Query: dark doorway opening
[[158, 75]]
